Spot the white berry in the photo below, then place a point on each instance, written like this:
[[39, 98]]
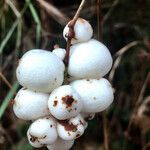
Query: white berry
[[42, 131], [61, 144], [64, 102], [90, 59], [59, 52], [82, 30], [96, 95], [30, 105], [71, 129], [40, 70]]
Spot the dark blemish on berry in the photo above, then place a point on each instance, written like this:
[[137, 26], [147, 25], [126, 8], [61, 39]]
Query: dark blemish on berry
[[69, 110], [51, 126], [66, 35], [55, 97], [55, 103], [69, 134], [75, 109], [44, 137], [87, 79], [68, 126], [55, 79], [81, 123], [19, 72], [68, 100], [24, 88], [33, 138], [77, 135], [94, 98]]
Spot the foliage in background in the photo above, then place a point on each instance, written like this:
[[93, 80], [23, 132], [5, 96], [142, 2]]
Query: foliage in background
[[30, 24]]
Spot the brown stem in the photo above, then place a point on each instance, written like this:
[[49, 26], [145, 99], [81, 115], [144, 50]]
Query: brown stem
[[71, 33], [99, 20], [105, 131], [5, 80], [104, 116]]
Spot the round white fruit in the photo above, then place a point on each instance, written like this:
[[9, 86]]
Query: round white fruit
[[82, 30], [96, 95], [40, 70], [64, 102], [59, 52], [42, 131], [30, 105], [72, 128], [90, 59], [61, 144]]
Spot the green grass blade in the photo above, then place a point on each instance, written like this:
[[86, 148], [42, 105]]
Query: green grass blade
[[12, 29], [37, 21], [8, 97]]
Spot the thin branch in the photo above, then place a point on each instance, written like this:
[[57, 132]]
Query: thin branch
[[99, 20], [16, 12], [54, 12], [78, 11], [8, 98], [141, 95], [5, 80], [12, 29], [119, 57], [104, 116], [139, 101], [71, 31], [105, 131], [109, 13], [37, 21]]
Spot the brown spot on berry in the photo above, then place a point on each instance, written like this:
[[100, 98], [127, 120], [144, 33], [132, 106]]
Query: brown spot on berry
[[81, 20], [81, 123], [94, 98], [33, 138], [68, 100], [69, 133], [44, 137], [68, 126], [77, 135], [55, 103]]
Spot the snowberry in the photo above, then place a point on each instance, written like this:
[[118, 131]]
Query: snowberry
[[60, 52], [61, 144], [42, 132], [30, 105], [82, 31], [72, 128], [64, 102], [96, 95], [40, 70], [90, 59]]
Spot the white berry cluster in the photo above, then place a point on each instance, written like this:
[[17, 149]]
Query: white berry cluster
[[59, 112]]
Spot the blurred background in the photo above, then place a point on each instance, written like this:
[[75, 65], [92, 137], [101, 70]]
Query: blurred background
[[125, 26]]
